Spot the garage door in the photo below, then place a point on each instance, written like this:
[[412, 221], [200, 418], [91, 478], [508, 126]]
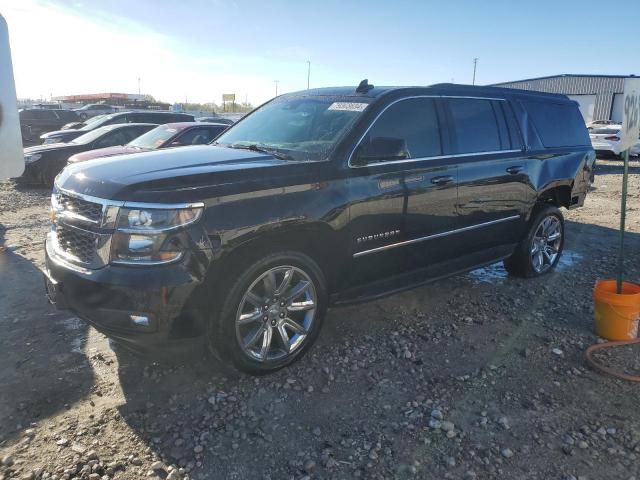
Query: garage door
[[616, 110], [587, 104]]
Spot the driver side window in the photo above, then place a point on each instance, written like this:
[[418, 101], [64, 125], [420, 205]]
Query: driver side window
[[111, 139], [407, 129]]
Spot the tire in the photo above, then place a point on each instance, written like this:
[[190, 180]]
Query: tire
[[241, 329], [538, 253]]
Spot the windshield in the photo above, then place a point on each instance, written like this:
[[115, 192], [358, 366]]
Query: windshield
[[154, 138], [92, 135], [303, 128], [90, 125], [94, 119]]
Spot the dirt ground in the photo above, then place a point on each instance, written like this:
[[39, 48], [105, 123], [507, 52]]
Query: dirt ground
[[478, 376]]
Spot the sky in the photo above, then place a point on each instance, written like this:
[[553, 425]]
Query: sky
[[196, 50]]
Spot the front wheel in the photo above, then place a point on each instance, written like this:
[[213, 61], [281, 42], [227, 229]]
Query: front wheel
[[272, 314], [540, 250]]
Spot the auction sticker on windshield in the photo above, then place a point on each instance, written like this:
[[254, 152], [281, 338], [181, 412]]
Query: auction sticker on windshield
[[348, 106]]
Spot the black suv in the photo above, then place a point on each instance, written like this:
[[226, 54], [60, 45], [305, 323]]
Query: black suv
[[34, 122], [317, 198], [148, 116]]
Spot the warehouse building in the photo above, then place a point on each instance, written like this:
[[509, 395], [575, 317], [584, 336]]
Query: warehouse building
[[599, 96]]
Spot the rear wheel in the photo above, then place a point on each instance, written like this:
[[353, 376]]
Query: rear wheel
[[272, 314], [539, 252]]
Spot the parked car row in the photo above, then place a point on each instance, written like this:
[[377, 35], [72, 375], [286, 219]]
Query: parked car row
[[44, 162], [148, 116]]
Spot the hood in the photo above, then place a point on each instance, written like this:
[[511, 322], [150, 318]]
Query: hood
[[66, 134], [104, 152], [175, 174]]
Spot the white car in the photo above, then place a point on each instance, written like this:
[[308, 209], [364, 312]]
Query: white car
[[607, 140], [600, 123]]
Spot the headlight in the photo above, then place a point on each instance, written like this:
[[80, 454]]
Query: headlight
[[149, 236], [32, 157]]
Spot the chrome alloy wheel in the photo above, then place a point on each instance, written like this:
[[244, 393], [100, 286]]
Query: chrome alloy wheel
[[546, 242], [276, 313]]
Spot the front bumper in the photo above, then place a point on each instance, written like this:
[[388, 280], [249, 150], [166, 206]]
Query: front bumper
[[146, 307]]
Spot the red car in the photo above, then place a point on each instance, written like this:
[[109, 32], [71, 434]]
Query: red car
[[163, 136]]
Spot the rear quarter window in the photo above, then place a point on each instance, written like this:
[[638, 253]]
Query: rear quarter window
[[558, 124]]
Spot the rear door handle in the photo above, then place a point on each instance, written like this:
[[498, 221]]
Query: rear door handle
[[515, 169], [442, 180]]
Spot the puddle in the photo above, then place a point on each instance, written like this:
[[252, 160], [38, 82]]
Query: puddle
[[569, 259], [74, 326], [496, 273]]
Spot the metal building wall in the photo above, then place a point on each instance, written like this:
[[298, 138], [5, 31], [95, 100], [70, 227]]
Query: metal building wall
[[603, 88]]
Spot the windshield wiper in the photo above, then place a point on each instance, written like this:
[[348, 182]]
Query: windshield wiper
[[257, 148]]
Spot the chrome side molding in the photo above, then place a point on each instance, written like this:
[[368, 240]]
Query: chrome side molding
[[431, 237]]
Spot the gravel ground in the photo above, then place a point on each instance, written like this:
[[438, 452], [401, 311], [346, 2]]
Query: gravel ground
[[478, 376]]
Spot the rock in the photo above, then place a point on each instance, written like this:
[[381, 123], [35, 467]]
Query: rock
[[7, 460], [437, 414], [317, 432], [309, 466], [435, 424], [504, 422], [447, 426], [63, 442], [198, 449], [506, 452], [79, 449], [157, 465], [583, 445]]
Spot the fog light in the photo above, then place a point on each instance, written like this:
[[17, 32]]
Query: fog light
[[140, 320]]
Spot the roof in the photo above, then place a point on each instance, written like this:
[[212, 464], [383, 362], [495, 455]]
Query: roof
[[183, 125], [115, 126], [565, 75], [437, 89]]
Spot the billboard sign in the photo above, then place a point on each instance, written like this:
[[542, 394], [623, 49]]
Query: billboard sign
[[228, 97], [11, 156], [630, 113]]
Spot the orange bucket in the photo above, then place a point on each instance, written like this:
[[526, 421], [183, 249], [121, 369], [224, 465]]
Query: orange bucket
[[616, 315]]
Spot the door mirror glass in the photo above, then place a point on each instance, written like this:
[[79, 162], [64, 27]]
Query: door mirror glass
[[381, 149]]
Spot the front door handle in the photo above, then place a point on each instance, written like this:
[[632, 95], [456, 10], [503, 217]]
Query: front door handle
[[442, 180], [515, 169]]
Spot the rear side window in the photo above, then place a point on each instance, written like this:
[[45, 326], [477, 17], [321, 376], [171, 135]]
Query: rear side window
[[180, 117], [558, 124], [475, 126], [119, 119], [414, 120]]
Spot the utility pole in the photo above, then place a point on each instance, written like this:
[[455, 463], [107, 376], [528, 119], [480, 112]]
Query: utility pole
[[308, 72], [475, 64], [138, 85], [276, 82]]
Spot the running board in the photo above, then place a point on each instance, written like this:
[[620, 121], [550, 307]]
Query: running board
[[416, 278]]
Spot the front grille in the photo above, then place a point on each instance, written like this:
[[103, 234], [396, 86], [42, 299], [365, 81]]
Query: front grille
[[78, 243], [79, 207]]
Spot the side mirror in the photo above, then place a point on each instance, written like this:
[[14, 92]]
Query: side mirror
[[379, 149]]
